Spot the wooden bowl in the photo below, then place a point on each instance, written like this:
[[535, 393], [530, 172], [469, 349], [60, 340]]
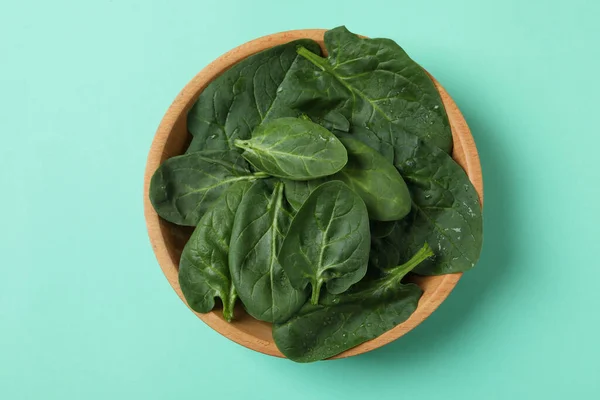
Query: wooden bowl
[[168, 240]]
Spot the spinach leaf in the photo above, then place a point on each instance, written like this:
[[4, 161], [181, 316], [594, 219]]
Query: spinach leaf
[[242, 97], [446, 212], [368, 137], [375, 180], [184, 187], [381, 229], [294, 148], [204, 268], [258, 230], [370, 175], [296, 192], [373, 84], [328, 241], [386, 250], [343, 321]]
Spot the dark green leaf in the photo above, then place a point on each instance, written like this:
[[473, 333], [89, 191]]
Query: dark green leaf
[[296, 192], [294, 148], [370, 175], [372, 83], [381, 229], [375, 180], [386, 251], [446, 210], [369, 138], [204, 268], [343, 321], [184, 187], [242, 97], [258, 230], [328, 241]]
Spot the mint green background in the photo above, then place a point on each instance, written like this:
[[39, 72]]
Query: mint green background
[[85, 312]]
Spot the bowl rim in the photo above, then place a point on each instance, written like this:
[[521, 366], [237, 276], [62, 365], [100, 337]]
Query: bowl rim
[[465, 152]]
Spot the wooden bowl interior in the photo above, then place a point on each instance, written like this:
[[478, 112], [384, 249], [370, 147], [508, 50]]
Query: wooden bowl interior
[[168, 239]]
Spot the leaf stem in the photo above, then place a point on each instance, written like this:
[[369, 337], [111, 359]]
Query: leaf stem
[[229, 304], [400, 271], [242, 144], [312, 57], [316, 289]]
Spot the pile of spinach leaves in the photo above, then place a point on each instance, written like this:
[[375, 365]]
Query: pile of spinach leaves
[[315, 184]]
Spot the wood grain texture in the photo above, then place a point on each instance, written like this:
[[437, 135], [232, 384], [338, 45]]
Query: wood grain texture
[[168, 240]]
